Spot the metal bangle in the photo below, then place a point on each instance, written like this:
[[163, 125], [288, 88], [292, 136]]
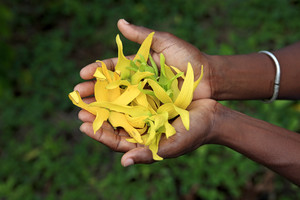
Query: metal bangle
[[277, 76]]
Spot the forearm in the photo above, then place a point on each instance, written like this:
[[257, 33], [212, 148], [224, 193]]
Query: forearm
[[289, 59], [269, 145], [252, 76]]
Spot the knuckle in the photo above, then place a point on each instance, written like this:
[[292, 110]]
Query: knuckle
[[99, 134], [117, 143], [166, 35]]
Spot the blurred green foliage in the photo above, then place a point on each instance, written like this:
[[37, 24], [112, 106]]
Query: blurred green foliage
[[43, 46]]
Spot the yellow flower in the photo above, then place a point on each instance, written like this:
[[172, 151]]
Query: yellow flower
[[138, 98], [123, 63]]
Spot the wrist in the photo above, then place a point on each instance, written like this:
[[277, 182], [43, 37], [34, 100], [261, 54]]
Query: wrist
[[241, 77], [227, 127], [221, 115]]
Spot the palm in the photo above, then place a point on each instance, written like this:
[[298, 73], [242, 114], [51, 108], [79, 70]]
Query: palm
[[178, 53], [201, 115]]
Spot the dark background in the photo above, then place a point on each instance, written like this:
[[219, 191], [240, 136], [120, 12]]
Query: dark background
[[43, 46]]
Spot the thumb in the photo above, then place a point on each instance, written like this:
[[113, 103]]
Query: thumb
[[140, 155], [139, 33]]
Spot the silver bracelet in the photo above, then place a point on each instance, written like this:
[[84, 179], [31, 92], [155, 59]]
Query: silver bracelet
[[277, 77]]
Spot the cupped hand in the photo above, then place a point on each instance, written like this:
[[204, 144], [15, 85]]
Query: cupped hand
[[201, 131], [176, 51]]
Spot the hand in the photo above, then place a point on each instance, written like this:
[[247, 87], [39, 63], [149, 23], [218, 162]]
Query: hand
[[176, 51], [201, 131]]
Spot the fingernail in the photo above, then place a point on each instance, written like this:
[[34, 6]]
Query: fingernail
[[80, 130], [76, 88], [125, 22], [83, 128], [128, 162]]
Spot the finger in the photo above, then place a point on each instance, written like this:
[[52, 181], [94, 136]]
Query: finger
[[88, 71], [137, 156], [106, 135], [89, 100], [85, 116], [138, 34], [86, 88]]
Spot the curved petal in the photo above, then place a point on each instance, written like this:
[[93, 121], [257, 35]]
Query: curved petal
[[133, 111], [142, 100], [168, 107], [123, 62], [137, 122], [173, 82], [170, 130], [105, 71], [101, 116], [138, 76], [154, 148], [185, 96], [127, 96], [100, 91], [199, 79], [117, 83], [119, 120], [99, 74], [145, 48], [77, 101], [159, 92], [185, 117]]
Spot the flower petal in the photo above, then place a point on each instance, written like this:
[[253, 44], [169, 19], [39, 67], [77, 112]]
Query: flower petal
[[101, 116], [145, 48], [154, 148], [106, 72], [100, 91], [141, 99], [119, 120], [151, 133], [138, 76], [137, 122], [133, 111], [117, 83], [77, 101], [114, 94], [173, 82], [153, 101], [156, 122], [185, 117], [178, 71], [168, 107], [142, 131], [185, 96], [159, 92], [170, 130], [159, 119], [132, 140], [153, 65], [199, 79], [128, 96], [116, 76], [99, 74], [123, 62]]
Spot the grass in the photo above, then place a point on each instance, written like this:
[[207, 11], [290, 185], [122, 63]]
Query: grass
[[43, 46]]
